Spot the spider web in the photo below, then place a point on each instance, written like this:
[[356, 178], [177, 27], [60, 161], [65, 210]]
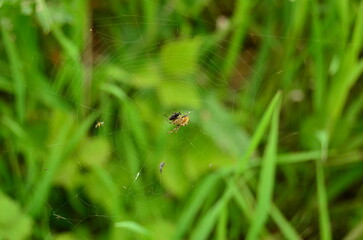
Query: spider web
[[112, 173]]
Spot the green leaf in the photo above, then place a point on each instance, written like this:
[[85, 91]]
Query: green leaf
[[111, 72], [134, 227], [180, 58], [94, 151], [146, 76], [173, 176], [178, 93], [100, 187], [13, 223], [66, 236], [218, 123]]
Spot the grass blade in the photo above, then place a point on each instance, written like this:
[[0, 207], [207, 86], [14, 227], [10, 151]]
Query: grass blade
[[318, 55], [356, 232], [16, 69], [284, 225], [324, 220], [222, 226], [259, 133], [267, 179], [205, 226], [240, 22], [197, 200], [56, 156]]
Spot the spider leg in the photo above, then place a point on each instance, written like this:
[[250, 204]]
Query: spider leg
[[167, 119], [186, 114], [175, 129]]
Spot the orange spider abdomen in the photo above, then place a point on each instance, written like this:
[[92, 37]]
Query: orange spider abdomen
[[183, 121]]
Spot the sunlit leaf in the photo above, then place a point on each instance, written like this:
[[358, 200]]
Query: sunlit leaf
[[176, 94], [14, 224], [94, 151], [180, 58], [134, 227]]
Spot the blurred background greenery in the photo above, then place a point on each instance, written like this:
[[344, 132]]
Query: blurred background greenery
[[272, 151]]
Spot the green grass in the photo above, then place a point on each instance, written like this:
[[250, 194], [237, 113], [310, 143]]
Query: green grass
[[272, 150], [266, 180]]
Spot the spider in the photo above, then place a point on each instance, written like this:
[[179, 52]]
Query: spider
[[178, 120]]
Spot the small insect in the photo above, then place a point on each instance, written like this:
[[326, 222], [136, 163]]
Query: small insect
[[99, 124], [162, 164], [178, 120]]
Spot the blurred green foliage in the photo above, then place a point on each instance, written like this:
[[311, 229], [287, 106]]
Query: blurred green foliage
[[273, 148]]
